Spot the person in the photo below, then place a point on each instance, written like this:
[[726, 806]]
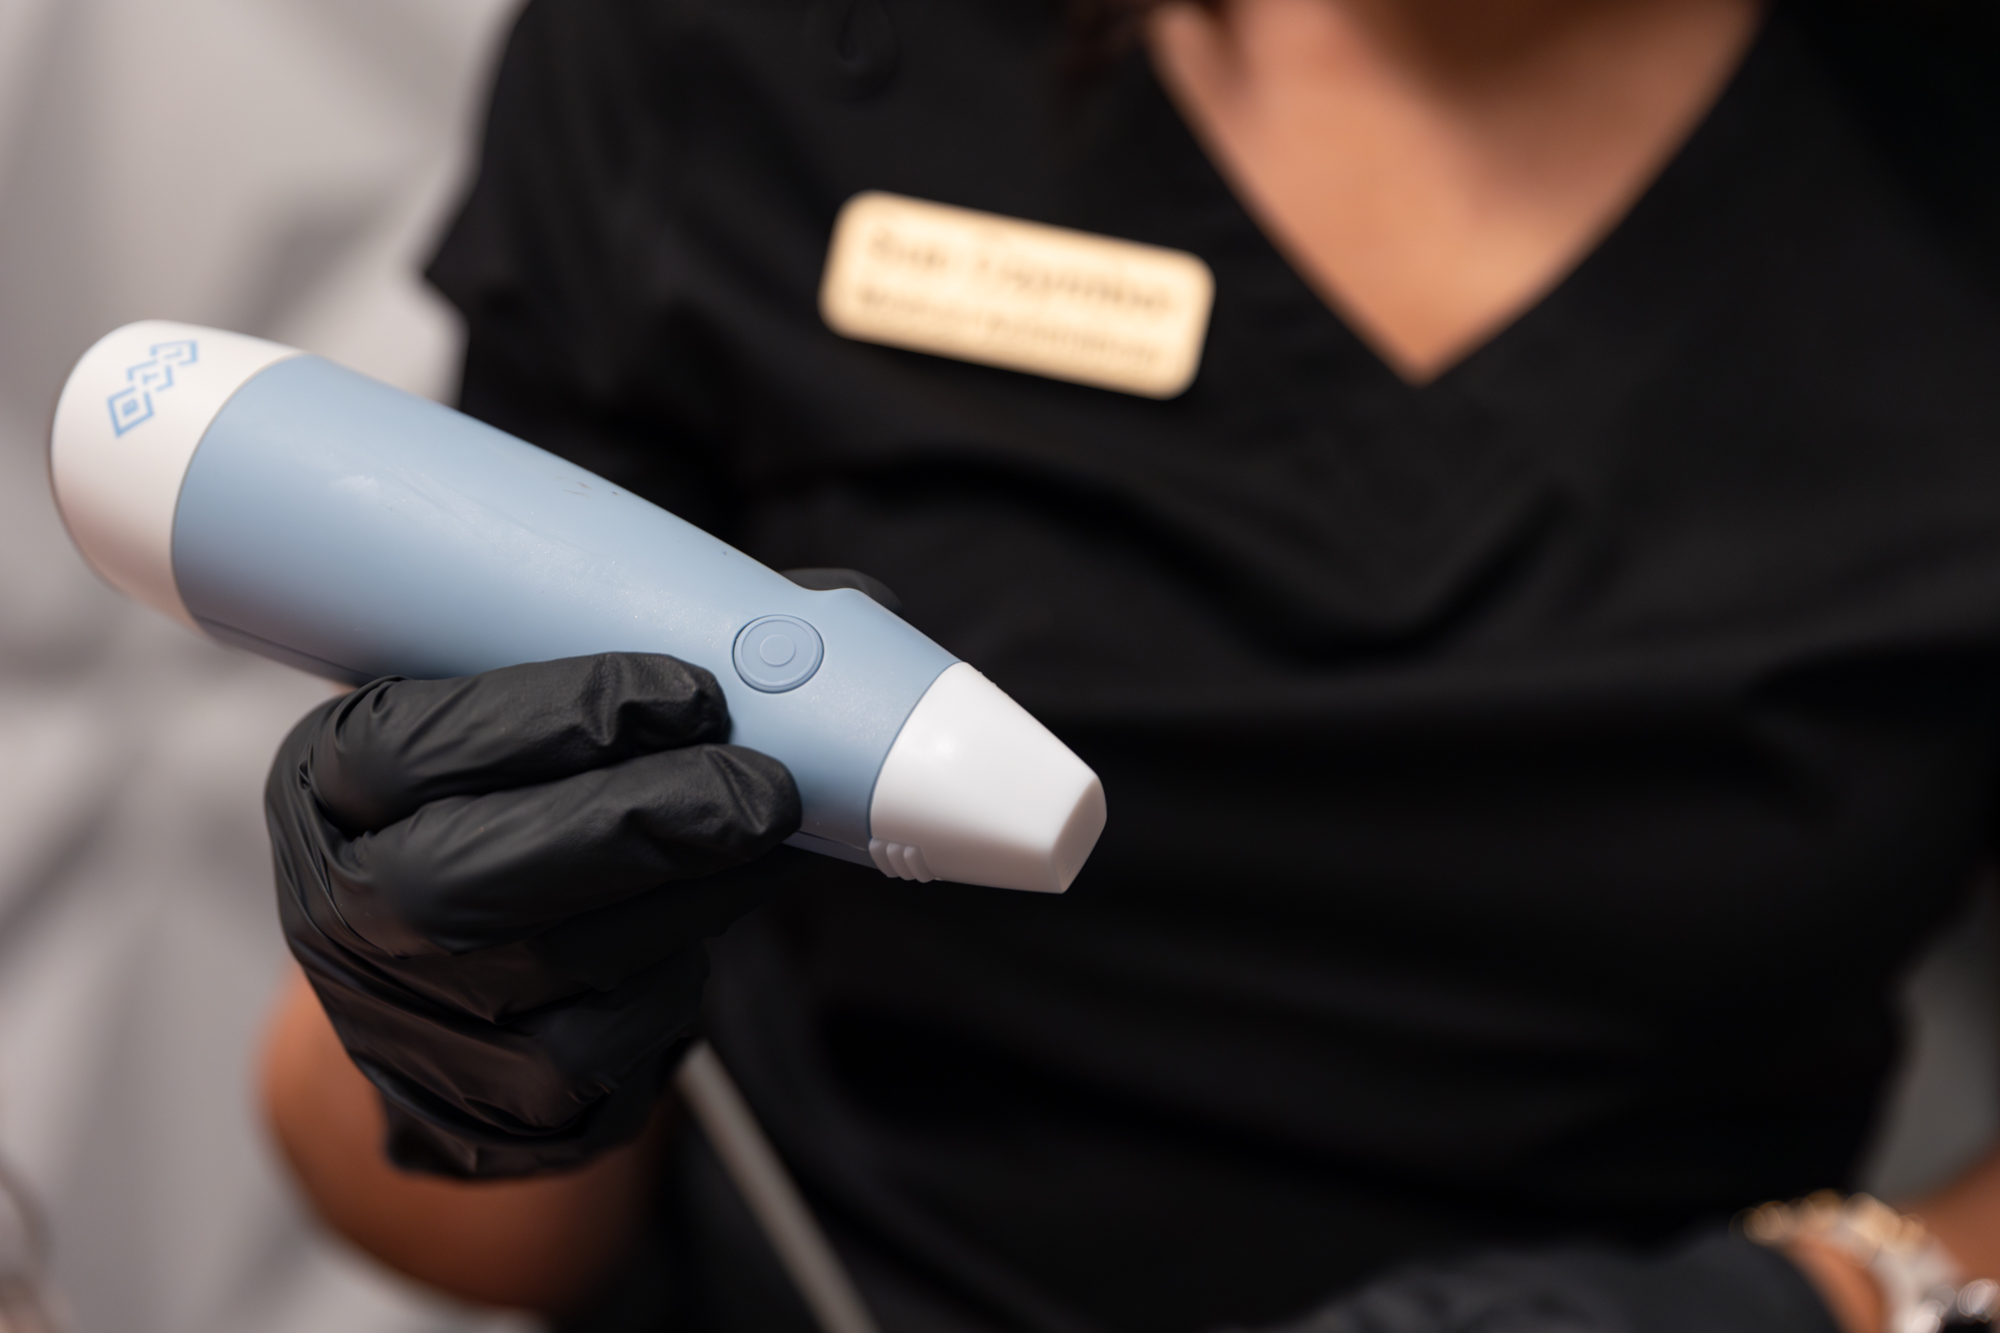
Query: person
[[1542, 671]]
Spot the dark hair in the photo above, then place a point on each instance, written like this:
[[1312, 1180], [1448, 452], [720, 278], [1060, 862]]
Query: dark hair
[[1101, 32]]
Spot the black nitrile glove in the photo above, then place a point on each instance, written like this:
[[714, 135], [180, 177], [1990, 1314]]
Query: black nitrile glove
[[500, 885]]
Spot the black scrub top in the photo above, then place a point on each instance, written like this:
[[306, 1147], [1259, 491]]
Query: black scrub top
[[1524, 788]]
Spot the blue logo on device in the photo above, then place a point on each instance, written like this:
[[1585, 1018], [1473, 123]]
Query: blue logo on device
[[133, 404]]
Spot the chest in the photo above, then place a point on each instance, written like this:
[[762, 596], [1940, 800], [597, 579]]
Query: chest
[[1654, 639]]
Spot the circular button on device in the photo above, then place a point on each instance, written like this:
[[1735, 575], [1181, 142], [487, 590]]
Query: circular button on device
[[778, 653]]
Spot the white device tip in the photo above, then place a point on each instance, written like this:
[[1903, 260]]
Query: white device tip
[[126, 427], [975, 790]]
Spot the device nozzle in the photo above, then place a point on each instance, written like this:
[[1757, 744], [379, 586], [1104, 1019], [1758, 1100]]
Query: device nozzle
[[977, 791]]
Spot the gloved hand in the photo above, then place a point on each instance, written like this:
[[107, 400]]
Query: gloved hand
[[500, 886]]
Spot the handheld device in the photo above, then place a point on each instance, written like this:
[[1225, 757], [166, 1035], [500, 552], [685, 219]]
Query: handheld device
[[286, 505]]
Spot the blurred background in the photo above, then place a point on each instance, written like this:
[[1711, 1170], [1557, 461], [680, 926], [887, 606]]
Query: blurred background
[[278, 167], [282, 167]]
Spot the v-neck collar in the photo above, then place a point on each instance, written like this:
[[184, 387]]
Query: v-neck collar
[[1369, 511], [1651, 229]]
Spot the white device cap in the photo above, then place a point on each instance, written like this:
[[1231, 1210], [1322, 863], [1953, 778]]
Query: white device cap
[[975, 790], [126, 428]]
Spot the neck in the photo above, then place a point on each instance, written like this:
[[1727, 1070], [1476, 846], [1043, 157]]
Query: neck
[[1432, 166]]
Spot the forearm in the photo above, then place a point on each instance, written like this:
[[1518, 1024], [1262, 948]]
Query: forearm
[[540, 1244], [1965, 1216], [1849, 1290]]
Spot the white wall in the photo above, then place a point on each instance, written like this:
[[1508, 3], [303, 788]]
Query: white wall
[[273, 166]]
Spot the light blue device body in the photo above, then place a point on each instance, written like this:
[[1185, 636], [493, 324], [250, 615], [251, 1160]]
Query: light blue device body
[[343, 526]]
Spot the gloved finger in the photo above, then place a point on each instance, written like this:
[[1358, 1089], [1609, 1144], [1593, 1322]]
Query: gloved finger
[[537, 1080], [395, 745], [470, 872], [601, 949], [488, 984], [423, 1141], [824, 579], [597, 951]]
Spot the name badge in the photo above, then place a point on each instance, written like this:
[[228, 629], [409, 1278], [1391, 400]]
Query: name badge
[[1019, 295]]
